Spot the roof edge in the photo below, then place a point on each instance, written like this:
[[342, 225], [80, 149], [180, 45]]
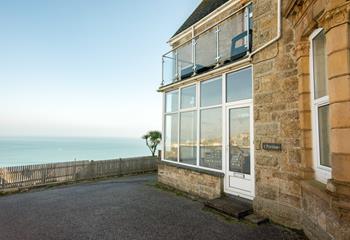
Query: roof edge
[[205, 18]]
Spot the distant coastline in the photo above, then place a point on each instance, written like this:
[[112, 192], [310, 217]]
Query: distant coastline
[[16, 151]]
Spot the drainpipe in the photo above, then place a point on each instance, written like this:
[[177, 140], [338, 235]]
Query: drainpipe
[[279, 30]]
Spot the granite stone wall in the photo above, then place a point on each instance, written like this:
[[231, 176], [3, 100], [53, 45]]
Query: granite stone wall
[[195, 182], [276, 118]]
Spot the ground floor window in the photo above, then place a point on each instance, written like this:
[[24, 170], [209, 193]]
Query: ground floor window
[[193, 122], [211, 138], [188, 137], [171, 137], [320, 106]]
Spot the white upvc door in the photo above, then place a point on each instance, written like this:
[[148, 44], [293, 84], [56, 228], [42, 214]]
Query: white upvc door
[[239, 149]]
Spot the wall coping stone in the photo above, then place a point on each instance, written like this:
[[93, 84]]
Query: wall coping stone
[[199, 170]]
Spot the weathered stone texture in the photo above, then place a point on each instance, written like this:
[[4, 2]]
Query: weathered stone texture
[[195, 183], [277, 117], [320, 220]]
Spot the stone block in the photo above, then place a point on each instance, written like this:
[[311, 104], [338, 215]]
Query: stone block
[[334, 42], [338, 63], [339, 89], [305, 120], [267, 192], [267, 129], [303, 65], [341, 167], [304, 102], [340, 115], [266, 160], [340, 140], [304, 83]]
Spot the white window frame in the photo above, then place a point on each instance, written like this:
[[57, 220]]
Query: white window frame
[[164, 114], [184, 110], [322, 173], [198, 108]]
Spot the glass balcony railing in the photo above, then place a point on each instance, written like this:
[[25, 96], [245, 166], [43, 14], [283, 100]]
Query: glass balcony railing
[[224, 43]]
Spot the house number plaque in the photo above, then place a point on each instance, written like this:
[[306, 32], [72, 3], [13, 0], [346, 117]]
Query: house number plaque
[[272, 146]]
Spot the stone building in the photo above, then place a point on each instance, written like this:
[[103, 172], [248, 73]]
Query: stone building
[[257, 105]]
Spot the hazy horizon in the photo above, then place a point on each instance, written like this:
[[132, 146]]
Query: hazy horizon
[[84, 68]]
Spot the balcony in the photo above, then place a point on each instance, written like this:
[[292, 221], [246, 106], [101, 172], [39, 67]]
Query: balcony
[[224, 43]]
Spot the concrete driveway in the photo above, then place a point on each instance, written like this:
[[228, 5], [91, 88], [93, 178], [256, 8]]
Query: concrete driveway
[[122, 208]]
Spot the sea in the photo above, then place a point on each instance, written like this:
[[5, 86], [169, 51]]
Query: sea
[[18, 151]]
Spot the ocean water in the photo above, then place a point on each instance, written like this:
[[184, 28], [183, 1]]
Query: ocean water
[[15, 151]]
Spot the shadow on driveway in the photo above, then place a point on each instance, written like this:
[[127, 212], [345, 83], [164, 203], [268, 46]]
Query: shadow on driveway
[[122, 208]]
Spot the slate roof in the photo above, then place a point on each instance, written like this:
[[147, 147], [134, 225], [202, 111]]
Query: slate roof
[[203, 9]]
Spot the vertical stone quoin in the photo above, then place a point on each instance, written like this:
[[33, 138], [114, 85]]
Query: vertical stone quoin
[[303, 67], [336, 22]]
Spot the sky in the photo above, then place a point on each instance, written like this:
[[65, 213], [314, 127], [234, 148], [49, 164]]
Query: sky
[[84, 68]]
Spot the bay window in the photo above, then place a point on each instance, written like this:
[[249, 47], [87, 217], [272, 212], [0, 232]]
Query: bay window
[[193, 125]]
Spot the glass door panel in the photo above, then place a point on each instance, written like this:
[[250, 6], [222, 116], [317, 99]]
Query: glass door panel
[[239, 145]]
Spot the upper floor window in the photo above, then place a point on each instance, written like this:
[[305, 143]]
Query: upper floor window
[[320, 106]]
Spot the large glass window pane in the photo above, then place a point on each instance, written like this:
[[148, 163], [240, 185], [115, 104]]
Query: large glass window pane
[[320, 66], [188, 137], [211, 93], [188, 97], [239, 85], [211, 138], [171, 139], [323, 129], [239, 130], [171, 101]]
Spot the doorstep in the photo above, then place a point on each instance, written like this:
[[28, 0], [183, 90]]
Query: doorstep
[[232, 206]]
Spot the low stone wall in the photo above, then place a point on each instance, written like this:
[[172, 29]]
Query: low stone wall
[[322, 218], [200, 183]]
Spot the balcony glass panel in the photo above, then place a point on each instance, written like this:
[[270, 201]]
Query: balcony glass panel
[[169, 68], [184, 60], [229, 36], [206, 51]]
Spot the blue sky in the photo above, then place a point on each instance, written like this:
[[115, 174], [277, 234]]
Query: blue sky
[[84, 67]]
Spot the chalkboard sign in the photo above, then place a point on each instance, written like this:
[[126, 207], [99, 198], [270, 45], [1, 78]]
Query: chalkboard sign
[[272, 146]]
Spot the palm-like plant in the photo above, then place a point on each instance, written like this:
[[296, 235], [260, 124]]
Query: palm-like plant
[[153, 138]]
